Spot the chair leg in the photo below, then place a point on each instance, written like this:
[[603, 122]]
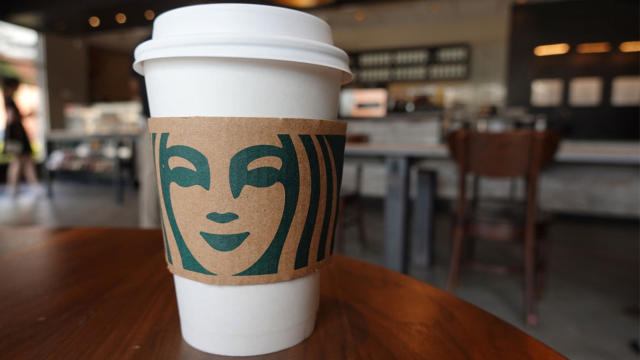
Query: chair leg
[[339, 237], [529, 281], [469, 249], [542, 264], [456, 255], [362, 228]]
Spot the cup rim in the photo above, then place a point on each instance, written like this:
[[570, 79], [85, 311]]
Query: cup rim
[[245, 45]]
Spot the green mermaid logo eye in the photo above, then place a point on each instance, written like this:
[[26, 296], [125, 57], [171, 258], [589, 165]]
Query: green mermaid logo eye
[[240, 175], [186, 177]]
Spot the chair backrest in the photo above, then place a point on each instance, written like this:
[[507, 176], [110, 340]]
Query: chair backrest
[[357, 138], [517, 153]]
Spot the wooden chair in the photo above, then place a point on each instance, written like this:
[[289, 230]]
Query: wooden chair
[[351, 207], [514, 154]]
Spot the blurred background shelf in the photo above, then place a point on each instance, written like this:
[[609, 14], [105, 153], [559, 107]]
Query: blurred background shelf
[[92, 157]]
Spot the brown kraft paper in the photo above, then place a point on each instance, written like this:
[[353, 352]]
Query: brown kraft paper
[[247, 200]]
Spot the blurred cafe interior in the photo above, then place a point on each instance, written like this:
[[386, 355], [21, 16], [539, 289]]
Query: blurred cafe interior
[[485, 138]]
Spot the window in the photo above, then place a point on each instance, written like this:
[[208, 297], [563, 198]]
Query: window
[[546, 92], [585, 91], [625, 91]]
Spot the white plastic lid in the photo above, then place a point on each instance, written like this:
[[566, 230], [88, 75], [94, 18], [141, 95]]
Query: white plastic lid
[[242, 31]]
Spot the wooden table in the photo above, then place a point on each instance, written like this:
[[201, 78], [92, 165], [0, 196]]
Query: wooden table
[[97, 293], [399, 159]]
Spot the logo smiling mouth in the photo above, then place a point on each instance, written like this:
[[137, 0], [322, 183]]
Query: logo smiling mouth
[[226, 242], [223, 242]]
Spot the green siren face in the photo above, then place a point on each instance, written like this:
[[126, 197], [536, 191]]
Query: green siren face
[[241, 207]]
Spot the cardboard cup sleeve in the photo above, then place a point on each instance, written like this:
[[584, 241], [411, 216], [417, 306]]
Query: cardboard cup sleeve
[[247, 200]]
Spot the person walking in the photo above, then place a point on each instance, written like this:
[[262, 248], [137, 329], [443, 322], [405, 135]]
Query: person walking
[[16, 141]]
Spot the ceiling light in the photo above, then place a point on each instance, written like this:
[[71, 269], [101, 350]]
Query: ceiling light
[[303, 3], [121, 18], [630, 46], [94, 21], [359, 15], [594, 47], [149, 14], [551, 49]]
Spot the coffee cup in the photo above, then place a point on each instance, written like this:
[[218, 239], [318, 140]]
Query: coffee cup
[[225, 81]]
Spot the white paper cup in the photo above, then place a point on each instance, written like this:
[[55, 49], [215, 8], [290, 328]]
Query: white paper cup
[[244, 61]]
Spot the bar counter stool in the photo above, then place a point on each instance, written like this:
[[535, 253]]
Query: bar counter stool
[[513, 154]]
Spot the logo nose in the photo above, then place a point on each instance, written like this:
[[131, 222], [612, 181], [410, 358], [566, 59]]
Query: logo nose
[[222, 218]]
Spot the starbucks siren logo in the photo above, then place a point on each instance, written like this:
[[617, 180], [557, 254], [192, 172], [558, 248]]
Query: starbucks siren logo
[[216, 199]]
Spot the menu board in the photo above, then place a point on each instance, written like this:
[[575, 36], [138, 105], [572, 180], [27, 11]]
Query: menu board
[[585, 91], [546, 92], [432, 63], [625, 91]]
